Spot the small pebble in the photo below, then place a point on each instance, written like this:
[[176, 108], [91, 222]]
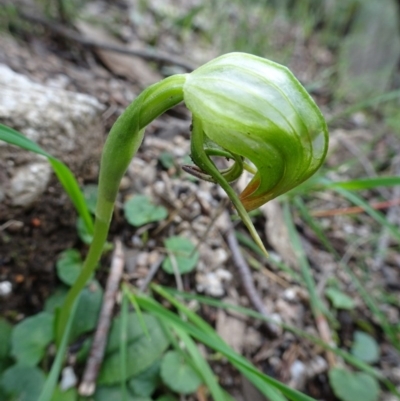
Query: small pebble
[[68, 378], [5, 288]]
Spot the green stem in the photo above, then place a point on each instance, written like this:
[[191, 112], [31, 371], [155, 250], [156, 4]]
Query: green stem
[[122, 143], [202, 160]]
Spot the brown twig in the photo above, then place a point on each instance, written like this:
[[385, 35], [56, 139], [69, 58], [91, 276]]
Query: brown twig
[[155, 55], [150, 275], [355, 209], [88, 384], [247, 280]]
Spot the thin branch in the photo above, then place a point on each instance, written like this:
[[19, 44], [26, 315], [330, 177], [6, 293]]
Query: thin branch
[[247, 280], [356, 209], [150, 275], [88, 384], [155, 55]]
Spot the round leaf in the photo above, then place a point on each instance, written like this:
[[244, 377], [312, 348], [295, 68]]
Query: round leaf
[[365, 347], [31, 337], [111, 393], [87, 311], [25, 382], [349, 386], [69, 266], [178, 375], [339, 299], [182, 253], [146, 382], [90, 195], [144, 347], [140, 210], [5, 338]]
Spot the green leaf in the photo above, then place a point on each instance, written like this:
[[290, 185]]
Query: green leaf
[[111, 393], [63, 173], [146, 382], [5, 338], [167, 159], [365, 347], [178, 375], [25, 382], [84, 234], [339, 299], [367, 183], [350, 386], [142, 349], [56, 299], [167, 398], [60, 395], [88, 308], [182, 252], [69, 266], [90, 195], [140, 210], [31, 337]]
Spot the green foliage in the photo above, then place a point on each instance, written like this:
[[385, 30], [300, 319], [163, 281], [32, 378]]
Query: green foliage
[[140, 347], [5, 344], [31, 337], [108, 393], [167, 159], [84, 234], [140, 210], [68, 395], [178, 375], [365, 347], [145, 383], [69, 265], [350, 386], [90, 195], [181, 253], [5, 338], [87, 310], [24, 382], [339, 299]]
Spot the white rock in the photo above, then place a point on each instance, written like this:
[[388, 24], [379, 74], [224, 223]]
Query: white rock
[[28, 183], [68, 378], [212, 283], [5, 288], [65, 124]]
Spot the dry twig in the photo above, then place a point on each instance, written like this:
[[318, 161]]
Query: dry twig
[[88, 384], [247, 280], [153, 55]]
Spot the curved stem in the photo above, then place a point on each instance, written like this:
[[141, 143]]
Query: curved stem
[[202, 160], [122, 143]]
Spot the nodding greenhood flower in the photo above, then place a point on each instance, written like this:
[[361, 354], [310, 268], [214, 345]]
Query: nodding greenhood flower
[[258, 111], [245, 108]]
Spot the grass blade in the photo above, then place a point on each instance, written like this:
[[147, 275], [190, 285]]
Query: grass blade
[[366, 183], [357, 200], [357, 363], [210, 338], [51, 381], [201, 365], [63, 173]]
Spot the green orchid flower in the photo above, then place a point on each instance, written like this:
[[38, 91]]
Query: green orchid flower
[[244, 108], [257, 110]]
